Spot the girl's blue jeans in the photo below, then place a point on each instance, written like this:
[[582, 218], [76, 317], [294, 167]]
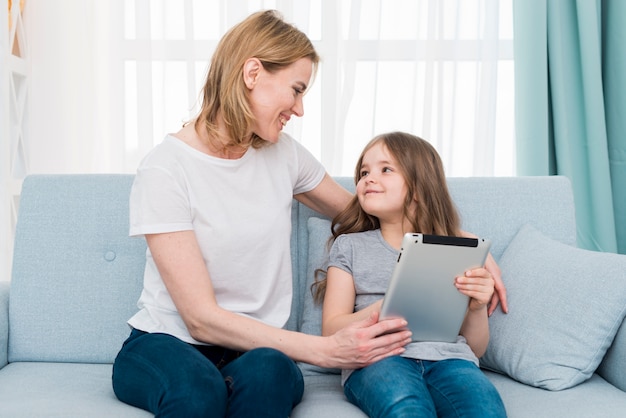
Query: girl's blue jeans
[[402, 387], [171, 378]]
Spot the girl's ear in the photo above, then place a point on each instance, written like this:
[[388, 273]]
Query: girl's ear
[[251, 70]]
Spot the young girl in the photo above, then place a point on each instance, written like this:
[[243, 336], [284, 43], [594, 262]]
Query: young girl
[[401, 187]]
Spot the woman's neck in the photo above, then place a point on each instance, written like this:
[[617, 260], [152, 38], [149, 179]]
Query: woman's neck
[[216, 145]]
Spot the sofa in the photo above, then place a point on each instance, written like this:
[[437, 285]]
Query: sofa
[[76, 278]]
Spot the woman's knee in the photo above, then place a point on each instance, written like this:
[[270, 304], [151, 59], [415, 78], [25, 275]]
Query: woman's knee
[[269, 368], [166, 376], [263, 382]]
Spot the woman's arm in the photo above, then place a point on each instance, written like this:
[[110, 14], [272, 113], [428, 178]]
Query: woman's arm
[[338, 311], [328, 198], [478, 284], [180, 263], [499, 296]]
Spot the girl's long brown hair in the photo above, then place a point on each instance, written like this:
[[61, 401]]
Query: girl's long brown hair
[[423, 172]]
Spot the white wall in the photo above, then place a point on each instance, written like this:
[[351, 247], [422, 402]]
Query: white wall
[[14, 102], [67, 57]]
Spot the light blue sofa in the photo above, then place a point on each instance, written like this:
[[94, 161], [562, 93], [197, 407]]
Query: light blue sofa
[[77, 276]]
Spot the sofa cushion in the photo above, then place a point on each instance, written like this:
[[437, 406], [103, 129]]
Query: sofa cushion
[[594, 398], [323, 397], [318, 232], [614, 362], [61, 390], [566, 305], [77, 274]]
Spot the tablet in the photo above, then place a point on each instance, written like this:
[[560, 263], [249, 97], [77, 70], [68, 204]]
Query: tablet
[[421, 288]]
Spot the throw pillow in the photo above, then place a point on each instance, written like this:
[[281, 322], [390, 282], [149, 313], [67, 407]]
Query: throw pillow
[[566, 305]]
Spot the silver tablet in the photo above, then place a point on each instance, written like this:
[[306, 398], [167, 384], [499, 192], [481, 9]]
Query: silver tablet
[[422, 290]]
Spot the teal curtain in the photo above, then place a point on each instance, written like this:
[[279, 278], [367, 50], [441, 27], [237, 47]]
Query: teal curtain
[[570, 107]]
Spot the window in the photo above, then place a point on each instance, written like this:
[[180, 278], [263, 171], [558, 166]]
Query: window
[[442, 70]]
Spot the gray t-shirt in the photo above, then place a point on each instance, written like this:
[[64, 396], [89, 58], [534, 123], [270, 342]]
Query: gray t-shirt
[[371, 260]]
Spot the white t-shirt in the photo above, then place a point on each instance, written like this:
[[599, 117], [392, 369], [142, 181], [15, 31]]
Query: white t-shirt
[[240, 211]]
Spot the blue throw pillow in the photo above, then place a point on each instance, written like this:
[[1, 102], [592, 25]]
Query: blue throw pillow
[[566, 305]]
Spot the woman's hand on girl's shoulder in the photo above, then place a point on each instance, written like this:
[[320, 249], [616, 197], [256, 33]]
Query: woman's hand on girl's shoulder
[[499, 296]]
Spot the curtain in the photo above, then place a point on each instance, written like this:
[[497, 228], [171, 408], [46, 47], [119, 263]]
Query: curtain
[[122, 73], [570, 82], [106, 80]]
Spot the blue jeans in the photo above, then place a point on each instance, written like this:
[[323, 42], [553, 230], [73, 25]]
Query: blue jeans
[[171, 378], [403, 387]]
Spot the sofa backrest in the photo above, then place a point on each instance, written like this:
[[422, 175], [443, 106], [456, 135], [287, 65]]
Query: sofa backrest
[[77, 275], [490, 207]]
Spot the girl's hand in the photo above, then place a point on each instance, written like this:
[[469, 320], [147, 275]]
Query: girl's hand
[[499, 296], [479, 285]]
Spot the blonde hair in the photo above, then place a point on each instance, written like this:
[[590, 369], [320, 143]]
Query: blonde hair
[[263, 35], [422, 169]]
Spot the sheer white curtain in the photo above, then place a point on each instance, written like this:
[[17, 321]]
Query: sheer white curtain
[[440, 69], [107, 79], [111, 78]]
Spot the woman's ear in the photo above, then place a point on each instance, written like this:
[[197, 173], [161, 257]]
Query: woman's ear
[[251, 70]]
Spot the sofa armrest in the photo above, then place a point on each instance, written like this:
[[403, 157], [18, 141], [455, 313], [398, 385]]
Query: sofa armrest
[[614, 363], [4, 323]]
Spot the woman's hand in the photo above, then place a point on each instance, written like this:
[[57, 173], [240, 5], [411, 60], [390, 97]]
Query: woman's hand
[[367, 341], [499, 296]]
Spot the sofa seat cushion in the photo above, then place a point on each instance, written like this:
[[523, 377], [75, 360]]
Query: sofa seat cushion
[[61, 390], [566, 305], [594, 398], [323, 397]]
